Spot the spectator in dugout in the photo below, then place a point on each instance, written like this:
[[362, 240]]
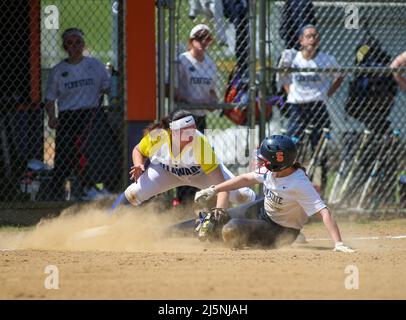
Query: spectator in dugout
[[196, 83], [308, 92], [196, 74], [76, 86]]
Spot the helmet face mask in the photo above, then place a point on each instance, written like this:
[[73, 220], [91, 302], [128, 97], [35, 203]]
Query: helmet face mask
[[276, 153]]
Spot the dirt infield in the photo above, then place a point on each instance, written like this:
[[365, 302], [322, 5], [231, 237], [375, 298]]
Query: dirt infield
[[134, 260]]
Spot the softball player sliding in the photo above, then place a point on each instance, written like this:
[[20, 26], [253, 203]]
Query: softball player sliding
[[290, 199], [178, 155]]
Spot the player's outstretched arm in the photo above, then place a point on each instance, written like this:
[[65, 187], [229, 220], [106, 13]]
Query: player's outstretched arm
[[333, 230], [241, 181], [216, 177]]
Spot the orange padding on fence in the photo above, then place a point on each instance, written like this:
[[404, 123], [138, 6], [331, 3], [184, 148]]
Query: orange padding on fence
[[140, 69]]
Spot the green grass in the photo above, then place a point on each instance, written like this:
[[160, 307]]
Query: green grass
[[94, 17], [14, 228]]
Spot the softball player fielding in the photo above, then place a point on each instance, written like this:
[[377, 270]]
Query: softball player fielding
[[172, 154]]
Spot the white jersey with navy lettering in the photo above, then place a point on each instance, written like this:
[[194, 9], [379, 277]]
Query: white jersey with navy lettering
[[309, 86], [77, 86], [194, 79], [289, 201]]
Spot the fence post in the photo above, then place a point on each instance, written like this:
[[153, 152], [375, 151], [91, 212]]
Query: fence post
[[171, 54], [252, 64], [161, 59], [262, 69], [121, 65]]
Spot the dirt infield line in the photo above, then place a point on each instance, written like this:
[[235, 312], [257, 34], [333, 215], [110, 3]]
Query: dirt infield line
[[399, 237], [362, 238]]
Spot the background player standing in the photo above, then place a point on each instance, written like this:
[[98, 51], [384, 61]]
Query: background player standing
[[196, 74], [195, 82], [76, 85], [308, 91]]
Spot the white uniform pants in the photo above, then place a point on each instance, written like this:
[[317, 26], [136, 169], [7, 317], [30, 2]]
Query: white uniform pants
[[156, 180]]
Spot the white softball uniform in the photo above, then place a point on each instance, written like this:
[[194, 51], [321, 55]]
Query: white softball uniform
[[195, 79], [77, 86], [308, 86], [291, 200], [168, 170]]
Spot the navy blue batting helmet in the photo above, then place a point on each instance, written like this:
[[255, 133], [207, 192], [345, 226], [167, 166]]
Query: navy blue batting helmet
[[278, 152]]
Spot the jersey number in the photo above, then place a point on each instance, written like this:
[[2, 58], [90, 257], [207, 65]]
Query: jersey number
[[279, 156]]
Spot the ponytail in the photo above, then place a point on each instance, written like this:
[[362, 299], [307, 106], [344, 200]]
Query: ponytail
[[298, 165], [164, 122]]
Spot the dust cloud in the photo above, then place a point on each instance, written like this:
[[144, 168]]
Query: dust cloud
[[91, 227]]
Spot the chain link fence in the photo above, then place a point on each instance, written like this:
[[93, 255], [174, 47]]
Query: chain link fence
[[61, 114], [342, 106], [213, 86]]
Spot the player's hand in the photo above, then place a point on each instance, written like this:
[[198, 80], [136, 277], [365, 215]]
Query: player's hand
[[136, 171], [205, 194], [340, 247]]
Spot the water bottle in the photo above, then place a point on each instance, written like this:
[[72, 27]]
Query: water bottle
[[68, 190]]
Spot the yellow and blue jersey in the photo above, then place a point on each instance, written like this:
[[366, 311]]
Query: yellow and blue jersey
[[196, 158]]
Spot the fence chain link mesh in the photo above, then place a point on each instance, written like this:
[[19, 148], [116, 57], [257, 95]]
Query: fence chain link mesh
[[352, 143], [80, 158], [344, 108], [351, 135], [218, 84]]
